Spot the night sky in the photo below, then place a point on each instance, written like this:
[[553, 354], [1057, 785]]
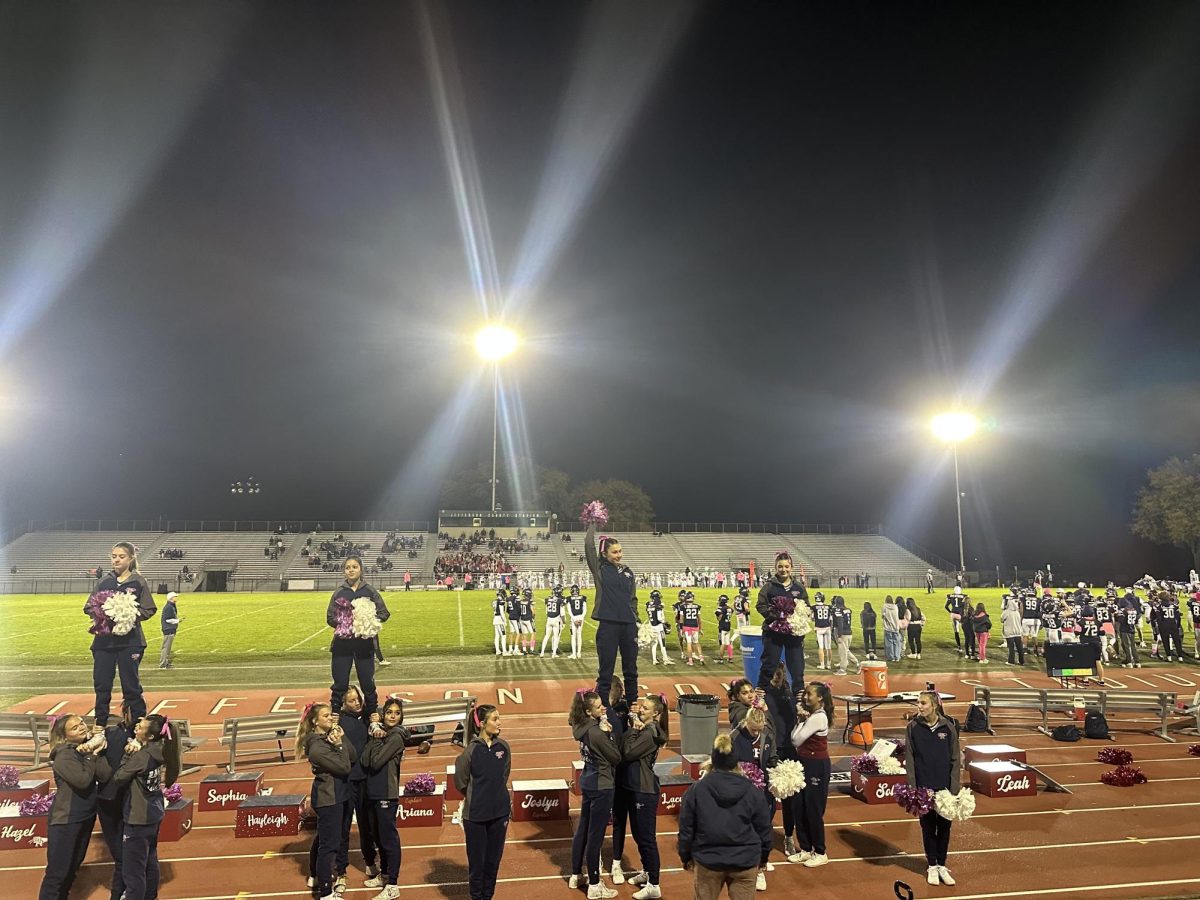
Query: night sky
[[751, 248]]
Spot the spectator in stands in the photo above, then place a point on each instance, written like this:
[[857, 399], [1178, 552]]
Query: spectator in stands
[[170, 625], [112, 652]]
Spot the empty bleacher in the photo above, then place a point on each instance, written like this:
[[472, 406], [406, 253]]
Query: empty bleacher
[[243, 547], [873, 554], [727, 552], [69, 554]]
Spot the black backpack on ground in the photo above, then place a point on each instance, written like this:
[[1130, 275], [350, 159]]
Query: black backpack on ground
[[1067, 733], [977, 720], [1095, 726]]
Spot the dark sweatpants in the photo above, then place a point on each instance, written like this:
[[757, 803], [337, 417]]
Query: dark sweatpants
[[485, 849], [612, 637], [935, 833], [792, 653], [139, 861], [589, 833], [322, 855], [364, 666], [809, 805], [642, 813], [65, 851], [1016, 650], [112, 824], [621, 808], [383, 820], [105, 666], [364, 813]]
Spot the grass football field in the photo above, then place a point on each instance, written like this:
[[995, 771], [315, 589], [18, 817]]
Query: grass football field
[[281, 639]]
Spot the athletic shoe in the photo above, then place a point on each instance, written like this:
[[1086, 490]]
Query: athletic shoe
[[840, 672], [689, 662], [391, 892], [1137, 665], [760, 883], [339, 885], [802, 856], [312, 882], [618, 876], [374, 881], [770, 867], [944, 874], [1126, 665], [934, 875], [639, 879], [982, 662], [649, 892], [669, 661], [817, 859], [573, 882], [789, 846], [386, 662], [600, 891]]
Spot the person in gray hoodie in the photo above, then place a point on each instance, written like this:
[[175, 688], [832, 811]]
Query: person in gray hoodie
[[1010, 622], [724, 828], [646, 735], [600, 753], [77, 762], [151, 762], [893, 644]]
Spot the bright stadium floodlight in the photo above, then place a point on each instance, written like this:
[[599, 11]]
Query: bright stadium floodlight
[[494, 343], [953, 428]]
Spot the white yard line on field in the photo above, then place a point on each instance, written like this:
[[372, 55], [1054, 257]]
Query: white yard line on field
[[461, 639], [320, 630]]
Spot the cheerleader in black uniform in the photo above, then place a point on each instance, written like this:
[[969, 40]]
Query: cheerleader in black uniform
[[931, 761], [591, 728], [122, 653], [356, 652], [323, 744], [77, 763], [355, 727], [640, 744], [481, 775], [110, 798], [152, 763]]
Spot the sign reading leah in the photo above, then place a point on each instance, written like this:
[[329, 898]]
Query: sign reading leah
[[1002, 779]]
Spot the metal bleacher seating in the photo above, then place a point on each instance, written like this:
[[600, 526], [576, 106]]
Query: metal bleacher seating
[[246, 547], [846, 554], [726, 552], [421, 567], [69, 554]]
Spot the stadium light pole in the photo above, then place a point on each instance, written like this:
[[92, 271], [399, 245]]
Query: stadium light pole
[[953, 428], [495, 343]]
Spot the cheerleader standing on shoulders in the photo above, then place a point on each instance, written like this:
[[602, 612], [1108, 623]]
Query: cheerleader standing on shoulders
[[554, 611], [114, 654], [724, 628], [355, 727], [931, 761], [323, 744], [640, 744], [616, 610], [754, 743], [77, 763], [810, 737], [656, 616], [774, 643], [381, 759], [600, 756], [577, 609], [152, 763], [358, 652], [481, 775]]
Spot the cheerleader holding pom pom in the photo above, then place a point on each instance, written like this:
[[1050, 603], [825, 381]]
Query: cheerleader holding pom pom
[[152, 762], [931, 763], [322, 743]]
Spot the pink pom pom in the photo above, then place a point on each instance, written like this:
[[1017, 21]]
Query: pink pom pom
[[422, 784], [1124, 776], [36, 805], [755, 774], [1115, 756], [865, 764], [10, 776], [594, 512], [915, 801], [173, 794]]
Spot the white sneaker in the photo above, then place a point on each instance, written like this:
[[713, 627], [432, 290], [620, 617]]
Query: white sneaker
[[789, 846], [573, 882], [817, 859], [618, 876], [760, 883], [391, 892], [944, 874], [372, 871], [933, 875], [802, 856], [312, 882], [770, 867], [641, 878], [649, 892], [600, 891], [376, 881]]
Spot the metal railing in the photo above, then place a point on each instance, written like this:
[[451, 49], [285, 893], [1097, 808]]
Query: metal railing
[[293, 526]]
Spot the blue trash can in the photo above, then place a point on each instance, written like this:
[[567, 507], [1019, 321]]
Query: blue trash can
[[752, 647]]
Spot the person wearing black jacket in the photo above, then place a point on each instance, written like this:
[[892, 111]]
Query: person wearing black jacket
[[754, 742], [591, 727], [358, 652], [781, 719], [616, 609], [114, 653], [647, 734], [724, 828], [358, 807], [774, 643], [77, 763], [110, 798], [151, 763], [331, 757], [481, 775], [170, 626], [931, 760]]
